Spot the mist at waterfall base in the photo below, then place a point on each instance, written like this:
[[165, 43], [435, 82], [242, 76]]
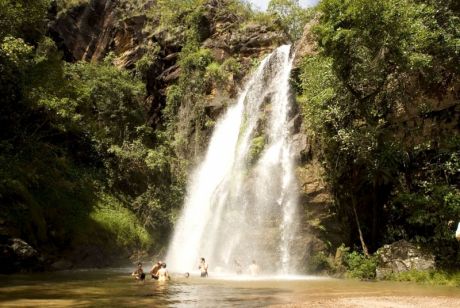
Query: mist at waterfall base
[[241, 201]]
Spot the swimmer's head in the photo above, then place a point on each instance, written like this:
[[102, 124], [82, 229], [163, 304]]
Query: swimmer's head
[[187, 275], [163, 265]]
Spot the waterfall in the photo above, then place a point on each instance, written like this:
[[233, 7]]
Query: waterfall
[[242, 199]]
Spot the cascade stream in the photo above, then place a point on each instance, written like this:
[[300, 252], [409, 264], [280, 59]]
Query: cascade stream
[[242, 199]]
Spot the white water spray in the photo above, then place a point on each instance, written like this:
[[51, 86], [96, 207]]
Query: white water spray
[[242, 199]]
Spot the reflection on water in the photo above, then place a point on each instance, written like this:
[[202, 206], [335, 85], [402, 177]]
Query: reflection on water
[[116, 287]]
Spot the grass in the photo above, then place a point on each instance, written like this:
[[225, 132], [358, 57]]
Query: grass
[[121, 223], [435, 277]]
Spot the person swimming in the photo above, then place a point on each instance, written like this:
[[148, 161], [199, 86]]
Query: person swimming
[[139, 272]]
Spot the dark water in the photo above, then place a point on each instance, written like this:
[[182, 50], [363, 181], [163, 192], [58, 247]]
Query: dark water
[[112, 288]]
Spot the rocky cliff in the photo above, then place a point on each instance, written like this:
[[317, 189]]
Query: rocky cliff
[[92, 30]]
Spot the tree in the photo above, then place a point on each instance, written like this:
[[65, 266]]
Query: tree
[[292, 16], [374, 57]]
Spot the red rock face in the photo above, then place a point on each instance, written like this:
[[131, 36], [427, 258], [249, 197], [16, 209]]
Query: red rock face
[[88, 32]]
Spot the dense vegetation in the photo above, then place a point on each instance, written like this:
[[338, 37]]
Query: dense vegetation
[[379, 66], [84, 171], [79, 166]]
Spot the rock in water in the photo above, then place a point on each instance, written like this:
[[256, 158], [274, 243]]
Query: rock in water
[[402, 256]]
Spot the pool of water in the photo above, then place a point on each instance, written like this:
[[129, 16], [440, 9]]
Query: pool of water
[[115, 287]]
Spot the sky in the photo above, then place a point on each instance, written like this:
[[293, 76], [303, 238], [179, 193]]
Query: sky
[[262, 4]]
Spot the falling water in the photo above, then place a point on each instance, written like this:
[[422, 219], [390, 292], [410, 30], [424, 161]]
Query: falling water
[[242, 199]]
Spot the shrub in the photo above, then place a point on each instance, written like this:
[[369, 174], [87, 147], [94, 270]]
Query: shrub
[[121, 223], [359, 266], [320, 262]]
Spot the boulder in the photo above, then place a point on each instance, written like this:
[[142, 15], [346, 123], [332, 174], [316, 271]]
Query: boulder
[[17, 255], [402, 256], [22, 250]]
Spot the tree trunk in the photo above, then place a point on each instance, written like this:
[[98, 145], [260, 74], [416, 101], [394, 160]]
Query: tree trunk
[[374, 217], [361, 238]]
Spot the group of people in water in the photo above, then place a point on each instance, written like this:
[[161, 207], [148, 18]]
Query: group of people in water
[[253, 268], [160, 273]]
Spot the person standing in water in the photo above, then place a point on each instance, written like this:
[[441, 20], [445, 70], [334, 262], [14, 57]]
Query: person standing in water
[[155, 268], [254, 268], [163, 274], [139, 272], [203, 267]]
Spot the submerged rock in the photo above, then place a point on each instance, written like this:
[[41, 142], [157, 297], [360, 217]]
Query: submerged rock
[[61, 265], [402, 256]]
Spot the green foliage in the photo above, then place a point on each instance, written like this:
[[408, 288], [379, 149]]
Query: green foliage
[[369, 40], [120, 223], [263, 18], [184, 110], [359, 266], [428, 277], [16, 51], [425, 208], [318, 89], [70, 131], [293, 17], [215, 73], [23, 18], [374, 59], [319, 262], [148, 60], [109, 100], [220, 74], [65, 5], [195, 61], [256, 148], [182, 18], [232, 66]]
